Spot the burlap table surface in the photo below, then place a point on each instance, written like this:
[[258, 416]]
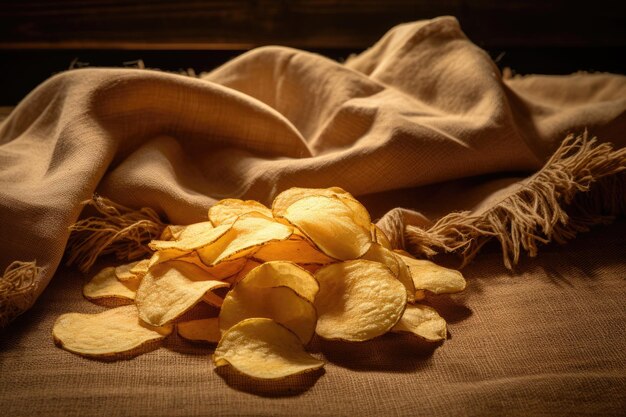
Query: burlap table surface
[[422, 120], [547, 340]]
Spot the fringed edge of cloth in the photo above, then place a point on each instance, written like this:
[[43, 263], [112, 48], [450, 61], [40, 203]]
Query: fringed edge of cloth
[[17, 290], [581, 185], [118, 230]]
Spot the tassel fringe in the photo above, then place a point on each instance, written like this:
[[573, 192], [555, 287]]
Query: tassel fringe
[[119, 230], [581, 185], [17, 290]]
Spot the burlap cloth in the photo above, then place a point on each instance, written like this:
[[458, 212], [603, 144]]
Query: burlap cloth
[[422, 120]]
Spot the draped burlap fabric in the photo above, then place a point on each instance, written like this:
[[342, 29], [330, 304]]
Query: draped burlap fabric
[[423, 120]]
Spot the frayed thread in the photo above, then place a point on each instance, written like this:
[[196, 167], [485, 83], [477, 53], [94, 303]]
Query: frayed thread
[[118, 230], [17, 290], [581, 185]]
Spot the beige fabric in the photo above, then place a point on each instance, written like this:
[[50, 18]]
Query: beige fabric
[[548, 340], [421, 107]]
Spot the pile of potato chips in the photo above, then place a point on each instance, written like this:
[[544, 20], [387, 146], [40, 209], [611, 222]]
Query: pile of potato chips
[[312, 264]]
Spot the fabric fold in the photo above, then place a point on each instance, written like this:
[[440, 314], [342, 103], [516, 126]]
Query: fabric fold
[[423, 117]]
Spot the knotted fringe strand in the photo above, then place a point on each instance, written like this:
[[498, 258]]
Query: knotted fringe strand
[[119, 230], [581, 185], [17, 290]]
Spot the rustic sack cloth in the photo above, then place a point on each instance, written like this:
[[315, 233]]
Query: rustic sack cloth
[[422, 120]]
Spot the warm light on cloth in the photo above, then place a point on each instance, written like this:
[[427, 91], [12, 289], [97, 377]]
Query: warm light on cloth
[[421, 107]]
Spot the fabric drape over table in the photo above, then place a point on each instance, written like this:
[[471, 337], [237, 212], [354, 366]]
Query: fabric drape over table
[[422, 120], [424, 129]]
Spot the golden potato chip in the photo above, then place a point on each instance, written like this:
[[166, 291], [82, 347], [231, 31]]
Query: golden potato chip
[[285, 274], [165, 255], [111, 332], [378, 253], [204, 330], [228, 210], [262, 348], [194, 236], [126, 272], [213, 299], [249, 266], [170, 289], [248, 233], [380, 237], [278, 303], [358, 300], [283, 200], [139, 270], [220, 271], [429, 276], [295, 249], [171, 232], [311, 268], [423, 321], [328, 222], [106, 285]]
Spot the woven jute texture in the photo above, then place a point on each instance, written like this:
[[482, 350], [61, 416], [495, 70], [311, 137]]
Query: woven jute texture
[[547, 340]]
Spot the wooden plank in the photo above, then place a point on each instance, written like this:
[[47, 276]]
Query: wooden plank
[[243, 24]]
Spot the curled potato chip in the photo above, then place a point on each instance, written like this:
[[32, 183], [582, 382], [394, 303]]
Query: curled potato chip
[[249, 266], [283, 200], [213, 299], [220, 271], [282, 273], [247, 234], [281, 304], [380, 237], [171, 232], [378, 253], [128, 272], [429, 276], [295, 249], [358, 300], [138, 270], [193, 237], [205, 330], [228, 210], [106, 285], [111, 332], [329, 223], [423, 321], [170, 289], [262, 348]]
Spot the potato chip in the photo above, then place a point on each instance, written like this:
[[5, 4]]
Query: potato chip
[[328, 222], [170, 289], [140, 269], [422, 321], [358, 300], [278, 303], [228, 210], [213, 299], [248, 233], [285, 199], [166, 255], [286, 274], [295, 249], [249, 266], [111, 332], [380, 237], [429, 276], [203, 330], [194, 236], [262, 348], [378, 253], [126, 272], [220, 271], [106, 285], [171, 232]]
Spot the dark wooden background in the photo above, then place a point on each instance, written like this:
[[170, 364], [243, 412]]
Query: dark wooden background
[[39, 38]]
